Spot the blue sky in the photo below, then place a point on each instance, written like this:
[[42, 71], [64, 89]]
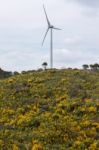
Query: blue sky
[[23, 25]]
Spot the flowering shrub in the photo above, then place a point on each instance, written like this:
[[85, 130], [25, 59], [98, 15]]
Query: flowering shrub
[[49, 111]]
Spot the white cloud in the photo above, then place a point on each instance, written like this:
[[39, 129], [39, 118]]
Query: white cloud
[[73, 40]]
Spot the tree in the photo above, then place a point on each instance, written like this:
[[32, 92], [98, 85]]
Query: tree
[[16, 73], [85, 66], [5, 74], [94, 67], [91, 66], [44, 65]]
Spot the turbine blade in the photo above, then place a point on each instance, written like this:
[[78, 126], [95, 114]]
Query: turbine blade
[[45, 36], [46, 16], [56, 28]]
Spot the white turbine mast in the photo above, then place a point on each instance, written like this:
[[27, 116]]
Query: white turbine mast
[[50, 27]]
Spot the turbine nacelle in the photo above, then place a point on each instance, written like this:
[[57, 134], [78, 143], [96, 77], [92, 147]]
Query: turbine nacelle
[[51, 26]]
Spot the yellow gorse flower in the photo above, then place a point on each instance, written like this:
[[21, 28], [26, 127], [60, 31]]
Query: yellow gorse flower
[[92, 109], [15, 147]]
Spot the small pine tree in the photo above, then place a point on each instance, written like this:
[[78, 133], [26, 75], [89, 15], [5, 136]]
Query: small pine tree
[[44, 65], [85, 66]]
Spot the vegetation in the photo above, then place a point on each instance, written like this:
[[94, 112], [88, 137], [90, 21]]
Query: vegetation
[[50, 110], [85, 66], [44, 65], [92, 67], [4, 74]]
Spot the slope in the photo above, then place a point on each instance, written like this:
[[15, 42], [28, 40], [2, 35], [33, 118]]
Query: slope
[[50, 110]]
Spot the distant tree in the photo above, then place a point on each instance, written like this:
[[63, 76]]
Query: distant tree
[[5, 74], [44, 65], [85, 66], [23, 72], [94, 67], [91, 66], [16, 73]]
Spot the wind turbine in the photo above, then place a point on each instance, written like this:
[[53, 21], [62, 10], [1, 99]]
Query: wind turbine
[[50, 27]]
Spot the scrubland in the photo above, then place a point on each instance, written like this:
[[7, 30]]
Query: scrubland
[[50, 110]]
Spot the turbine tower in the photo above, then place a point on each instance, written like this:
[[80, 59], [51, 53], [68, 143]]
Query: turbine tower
[[50, 27]]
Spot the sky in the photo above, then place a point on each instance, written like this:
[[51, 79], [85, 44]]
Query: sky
[[23, 25]]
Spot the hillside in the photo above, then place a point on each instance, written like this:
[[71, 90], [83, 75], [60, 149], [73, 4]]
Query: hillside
[[50, 110]]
